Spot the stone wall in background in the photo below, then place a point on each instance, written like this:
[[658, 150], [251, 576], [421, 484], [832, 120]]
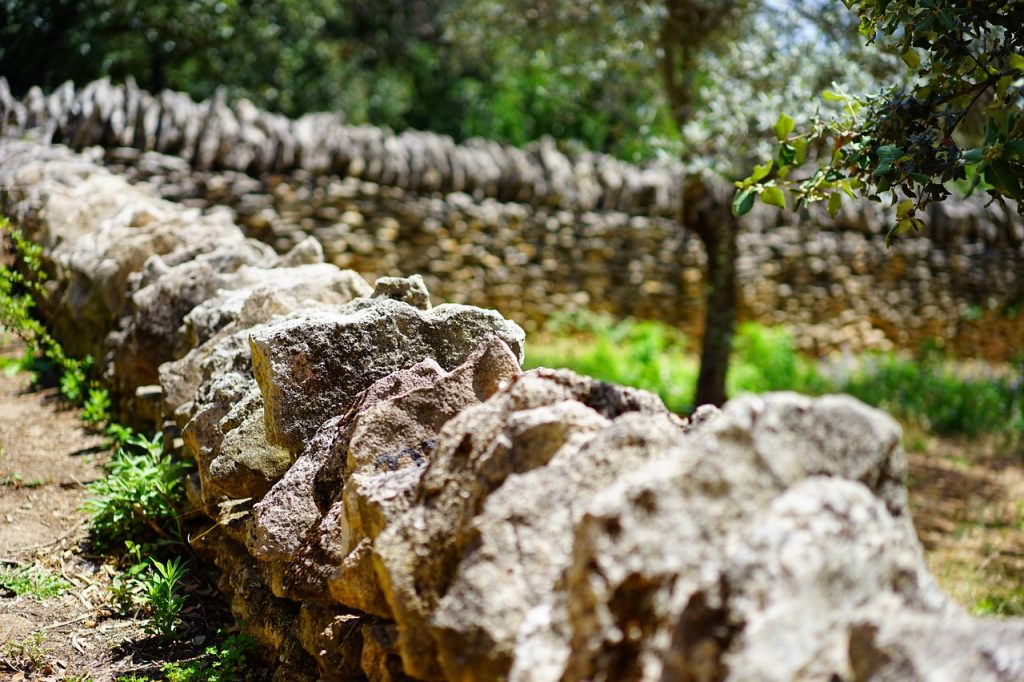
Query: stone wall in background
[[389, 497], [534, 232]]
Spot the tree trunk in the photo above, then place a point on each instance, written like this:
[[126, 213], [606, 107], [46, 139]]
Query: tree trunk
[[709, 215]]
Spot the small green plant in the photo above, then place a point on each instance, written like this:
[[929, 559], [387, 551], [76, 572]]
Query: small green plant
[[19, 292], [162, 598], [126, 587], [32, 581], [224, 662], [26, 362], [26, 654], [152, 586], [96, 408], [140, 497], [119, 434]]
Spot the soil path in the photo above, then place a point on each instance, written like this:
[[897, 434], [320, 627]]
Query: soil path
[[47, 460]]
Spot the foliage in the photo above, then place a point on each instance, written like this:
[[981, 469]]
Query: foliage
[[394, 63], [228, 661], [140, 497], [646, 355], [957, 125], [162, 600], [18, 293], [32, 581], [152, 585], [935, 395], [126, 587], [929, 391], [224, 662], [767, 361], [96, 408]]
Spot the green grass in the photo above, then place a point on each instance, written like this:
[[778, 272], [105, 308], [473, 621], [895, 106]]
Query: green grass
[[31, 581], [646, 355], [1005, 605], [932, 391]]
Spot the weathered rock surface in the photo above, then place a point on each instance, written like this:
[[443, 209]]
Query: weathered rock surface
[[311, 368], [520, 429]]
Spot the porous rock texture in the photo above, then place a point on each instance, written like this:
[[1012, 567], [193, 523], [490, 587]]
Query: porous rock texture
[[389, 497]]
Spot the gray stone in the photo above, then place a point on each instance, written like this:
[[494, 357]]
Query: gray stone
[[520, 428], [311, 368]]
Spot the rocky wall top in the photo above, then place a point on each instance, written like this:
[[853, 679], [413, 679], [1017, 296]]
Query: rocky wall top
[[214, 135], [389, 497]]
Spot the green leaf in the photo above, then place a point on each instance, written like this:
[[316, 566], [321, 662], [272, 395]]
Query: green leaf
[[835, 202], [1002, 177], [1017, 62], [773, 196], [904, 208], [743, 202], [832, 96], [761, 172], [787, 155], [800, 145], [1015, 148], [783, 127], [911, 59]]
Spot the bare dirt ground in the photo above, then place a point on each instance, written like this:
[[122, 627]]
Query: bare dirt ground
[[48, 459], [967, 497]]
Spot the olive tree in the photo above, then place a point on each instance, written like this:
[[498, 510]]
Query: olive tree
[[956, 126], [719, 68]]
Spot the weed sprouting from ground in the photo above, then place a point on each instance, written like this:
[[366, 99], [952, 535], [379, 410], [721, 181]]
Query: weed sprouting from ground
[[141, 496], [27, 654], [32, 581], [229, 661]]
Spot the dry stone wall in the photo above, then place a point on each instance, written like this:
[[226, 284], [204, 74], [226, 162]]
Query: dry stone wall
[[389, 497], [534, 232]]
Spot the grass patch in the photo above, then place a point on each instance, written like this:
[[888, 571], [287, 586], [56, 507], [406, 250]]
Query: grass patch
[[647, 355], [932, 392], [32, 581]]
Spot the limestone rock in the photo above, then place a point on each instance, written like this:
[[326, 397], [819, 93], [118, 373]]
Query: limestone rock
[[409, 290], [521, 428], [157, 310], [657, 543], [252, 296], [824, 555], [311, 368], [523, 540]]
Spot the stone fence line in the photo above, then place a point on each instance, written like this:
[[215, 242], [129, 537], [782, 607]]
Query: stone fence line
[[389, 497]]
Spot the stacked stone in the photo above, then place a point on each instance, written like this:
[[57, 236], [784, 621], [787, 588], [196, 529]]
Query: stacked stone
[[390, 497], [836, 284], [214, 135]]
